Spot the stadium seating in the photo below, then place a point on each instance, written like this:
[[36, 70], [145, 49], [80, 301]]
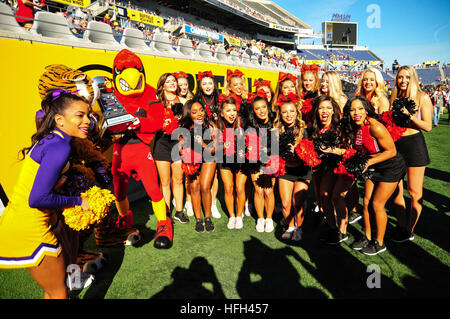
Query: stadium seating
[[101, 33], [134, 38], [8, 21], [221, 54], [429, 75], [235, 57], [185, 47], [52, 25], [245, 58], [162, 44], [204, 51]]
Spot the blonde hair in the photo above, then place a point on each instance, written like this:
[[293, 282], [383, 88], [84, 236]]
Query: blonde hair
[[316, 82], [379, 91], [335, 88], [226, 88], [299, 125], [413, 91]]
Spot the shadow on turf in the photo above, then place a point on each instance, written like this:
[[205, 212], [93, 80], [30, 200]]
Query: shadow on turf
[[437, 174], [199, 281]]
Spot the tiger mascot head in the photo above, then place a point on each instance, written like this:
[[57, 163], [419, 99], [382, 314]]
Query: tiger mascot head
[[59, 76]]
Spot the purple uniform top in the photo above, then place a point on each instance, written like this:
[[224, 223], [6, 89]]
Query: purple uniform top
[[51, 153]]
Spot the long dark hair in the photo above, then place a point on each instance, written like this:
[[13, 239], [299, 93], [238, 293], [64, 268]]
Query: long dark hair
[[199, 92], [316, 124], [186, 119], [348, 126], [253, 120], [51, 106]]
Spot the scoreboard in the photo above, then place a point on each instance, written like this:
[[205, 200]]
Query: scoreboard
[[340, 33]]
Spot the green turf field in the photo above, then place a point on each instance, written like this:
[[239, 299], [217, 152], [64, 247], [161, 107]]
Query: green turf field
[[246, 264]]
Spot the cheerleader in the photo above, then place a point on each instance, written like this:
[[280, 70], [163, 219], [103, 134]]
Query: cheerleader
[[183, 84], [25, 225], [364, 133], [207, 95], [308, 86], [235, 86], [325, 133], [231, 169], [264, 85], [371, 86], [294, 184], [261, 119], [413, 149], [287, 83], [200, 178], [169, 170], [330, 84]]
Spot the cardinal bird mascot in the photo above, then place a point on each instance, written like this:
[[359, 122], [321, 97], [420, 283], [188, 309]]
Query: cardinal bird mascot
[[132, 155]]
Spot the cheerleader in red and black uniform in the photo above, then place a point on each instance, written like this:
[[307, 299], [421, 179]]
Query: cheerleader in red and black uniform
[[207, 95], [183, 84], [169, 170], [365, 133], [294, 182], [235, 86], [199, 162], [308, 89], [230, 131], [287, 83], [266, 86], [258, 138], [325, 133]]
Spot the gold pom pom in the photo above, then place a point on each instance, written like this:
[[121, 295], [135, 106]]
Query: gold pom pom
[[99, 201]]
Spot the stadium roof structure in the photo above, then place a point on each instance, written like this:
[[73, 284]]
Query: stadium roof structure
[[278, 32]]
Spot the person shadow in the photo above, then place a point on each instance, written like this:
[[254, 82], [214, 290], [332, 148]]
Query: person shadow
[[437, 174], [268, 273], [199, 281]]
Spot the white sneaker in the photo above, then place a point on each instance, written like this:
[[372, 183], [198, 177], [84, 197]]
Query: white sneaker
[[268, 227], [317, 209], [215, 212], [239, 222], [260, 225], [189, 209], [247, 210], [231, 223]]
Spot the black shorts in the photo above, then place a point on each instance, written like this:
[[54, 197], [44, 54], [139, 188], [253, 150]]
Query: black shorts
[[297, 173], [413, 150], [389, 171], [162, 150]]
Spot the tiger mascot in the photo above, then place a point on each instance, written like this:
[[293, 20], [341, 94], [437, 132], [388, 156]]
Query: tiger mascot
[[89, 167]]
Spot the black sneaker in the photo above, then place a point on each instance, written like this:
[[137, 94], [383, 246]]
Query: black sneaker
[[360, 244], [353, 217], [373, 248], [401, 235], [181, 217], [209, 225], [336, 238], [199, 228]]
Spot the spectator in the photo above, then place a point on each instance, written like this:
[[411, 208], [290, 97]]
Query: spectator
[[25, 13], [117, 31], [127, 23], [89, 16], [107, 19]]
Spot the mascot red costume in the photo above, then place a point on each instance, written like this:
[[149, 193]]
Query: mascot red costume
[[132, 154]]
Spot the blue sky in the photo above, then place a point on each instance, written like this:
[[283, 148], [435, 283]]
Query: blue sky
[[411, 31]]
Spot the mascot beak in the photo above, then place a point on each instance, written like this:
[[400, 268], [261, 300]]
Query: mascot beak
[[130, 81]]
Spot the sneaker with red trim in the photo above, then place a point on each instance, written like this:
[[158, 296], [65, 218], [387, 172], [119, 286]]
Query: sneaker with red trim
[[164, 234]]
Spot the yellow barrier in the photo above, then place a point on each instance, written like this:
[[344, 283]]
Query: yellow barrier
[[23, 63]]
